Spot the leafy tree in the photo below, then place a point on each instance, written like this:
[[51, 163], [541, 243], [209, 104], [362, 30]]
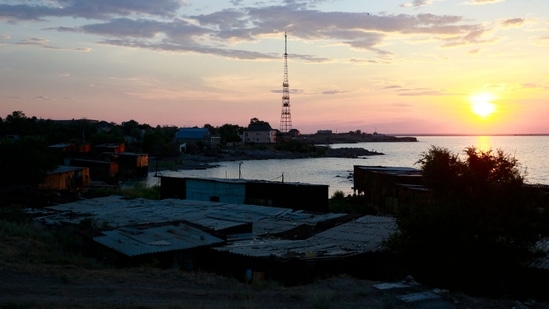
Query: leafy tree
[[131, 129], [479, 221], [256, 122], [18, 123], [107, 137], [25, 162], [441, 170], [485, 168], [160, 141], [229, 133], [213, 130]]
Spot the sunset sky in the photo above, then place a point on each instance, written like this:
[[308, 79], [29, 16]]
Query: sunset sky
[[391, 66]]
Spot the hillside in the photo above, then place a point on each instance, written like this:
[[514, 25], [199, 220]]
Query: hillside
[[26, 284]]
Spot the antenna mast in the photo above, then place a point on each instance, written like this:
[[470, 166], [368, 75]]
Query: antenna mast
[[285, 117]]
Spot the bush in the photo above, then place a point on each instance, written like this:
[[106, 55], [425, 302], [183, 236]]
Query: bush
[[142, 191], [479, 222], [340, 203], [338, 195]]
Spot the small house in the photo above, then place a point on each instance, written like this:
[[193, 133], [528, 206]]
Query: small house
[[197, 136], [312, 197], [133, 164], [260, 133], [110, 148], [98, 170], [66, 178], [381, 184]]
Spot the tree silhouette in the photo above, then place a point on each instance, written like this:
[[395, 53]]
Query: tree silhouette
[[479, 222], [229, 133], [25, 162]]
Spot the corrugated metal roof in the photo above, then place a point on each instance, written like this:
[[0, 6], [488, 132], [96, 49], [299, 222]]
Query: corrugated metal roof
[[177, 175], [541, 262], [193, 133], [133, 241], [60, 145], [393, 170], [418, 297], [116, 211], [365, 234], [64, 168], [140, 226], [387, 168]]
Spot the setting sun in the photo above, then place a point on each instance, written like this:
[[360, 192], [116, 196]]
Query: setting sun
[[481, 104]]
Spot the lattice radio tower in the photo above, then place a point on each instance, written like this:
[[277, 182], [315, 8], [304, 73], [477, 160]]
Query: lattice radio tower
[[286, 116]]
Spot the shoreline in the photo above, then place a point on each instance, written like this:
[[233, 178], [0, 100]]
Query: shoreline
[[208, 160]]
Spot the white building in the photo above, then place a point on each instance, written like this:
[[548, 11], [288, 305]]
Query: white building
[[260, 133]]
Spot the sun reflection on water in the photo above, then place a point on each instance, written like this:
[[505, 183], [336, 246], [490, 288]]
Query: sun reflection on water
[[483, 143]]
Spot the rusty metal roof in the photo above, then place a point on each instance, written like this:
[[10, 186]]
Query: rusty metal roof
[[393, 170], [133, 241], [64, 169], [141, 226], [115, 211], [365, 234]]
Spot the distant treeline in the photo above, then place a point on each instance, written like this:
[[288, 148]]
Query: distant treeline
[[24, 142], [142, 138]]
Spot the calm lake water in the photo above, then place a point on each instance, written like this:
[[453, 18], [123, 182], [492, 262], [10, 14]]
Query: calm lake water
[[531, 151]]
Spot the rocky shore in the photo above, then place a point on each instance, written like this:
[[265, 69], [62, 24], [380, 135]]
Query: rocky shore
[[353, 137], [208, 159], [263, 154]]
